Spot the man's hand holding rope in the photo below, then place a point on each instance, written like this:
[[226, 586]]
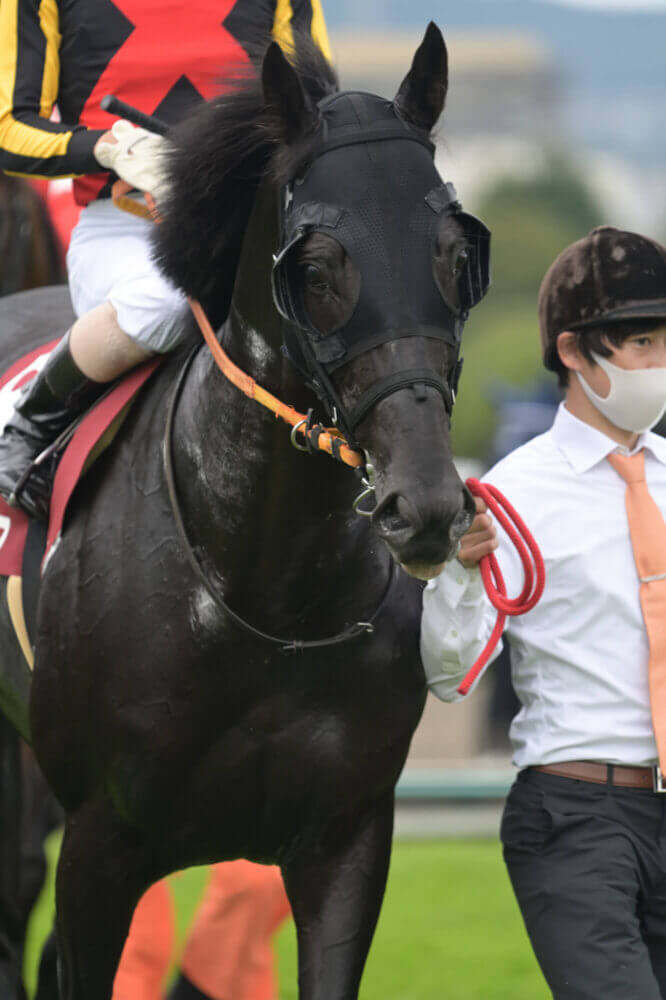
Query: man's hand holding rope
[[480, 539]]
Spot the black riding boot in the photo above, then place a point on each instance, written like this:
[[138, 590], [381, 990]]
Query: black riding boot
[[48, 405]]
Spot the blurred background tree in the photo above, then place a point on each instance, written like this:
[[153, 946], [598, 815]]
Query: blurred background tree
[[531, 220]]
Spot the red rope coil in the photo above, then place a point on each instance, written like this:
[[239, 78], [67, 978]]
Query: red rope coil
[[491, 574]]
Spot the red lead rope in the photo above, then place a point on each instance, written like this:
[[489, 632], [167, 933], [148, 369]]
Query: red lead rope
[[493, 581]]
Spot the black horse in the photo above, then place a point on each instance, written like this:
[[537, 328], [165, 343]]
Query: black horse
[[226, 658]]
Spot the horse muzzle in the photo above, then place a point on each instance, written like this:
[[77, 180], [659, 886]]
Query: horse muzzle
[[423, 532]]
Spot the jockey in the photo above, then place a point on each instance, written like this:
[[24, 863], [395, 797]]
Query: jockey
[[162, 58]]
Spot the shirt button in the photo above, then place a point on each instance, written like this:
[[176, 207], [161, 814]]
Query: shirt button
[[454, 634], [459, 580]]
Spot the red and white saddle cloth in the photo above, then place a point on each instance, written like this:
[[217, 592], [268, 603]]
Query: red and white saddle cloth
[[95, 432]]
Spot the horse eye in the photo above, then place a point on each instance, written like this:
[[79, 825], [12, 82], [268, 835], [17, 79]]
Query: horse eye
[[315, 279], [461, 261]]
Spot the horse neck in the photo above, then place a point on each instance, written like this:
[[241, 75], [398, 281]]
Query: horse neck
[[263, 511]]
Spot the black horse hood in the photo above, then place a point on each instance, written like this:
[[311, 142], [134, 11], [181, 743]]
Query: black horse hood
[[386, 213]]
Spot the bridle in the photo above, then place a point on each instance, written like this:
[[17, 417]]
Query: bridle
[[473, 286], [285, 645], [316, 359], [356, 122], [316, 356]]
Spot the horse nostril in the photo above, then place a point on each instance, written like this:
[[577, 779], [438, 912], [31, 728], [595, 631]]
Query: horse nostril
[[465, 515], [469, 504], [391, 517]]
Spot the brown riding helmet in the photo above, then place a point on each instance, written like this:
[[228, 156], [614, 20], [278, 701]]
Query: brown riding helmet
[[609, 276]]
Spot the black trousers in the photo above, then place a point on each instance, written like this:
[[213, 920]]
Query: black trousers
[[588, 867]]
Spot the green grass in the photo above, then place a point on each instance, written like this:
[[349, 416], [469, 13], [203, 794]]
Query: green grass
[[449, 928]]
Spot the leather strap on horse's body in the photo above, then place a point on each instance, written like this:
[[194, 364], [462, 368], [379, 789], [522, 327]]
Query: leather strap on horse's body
[[327, 439], [286, 645], [316, 437]]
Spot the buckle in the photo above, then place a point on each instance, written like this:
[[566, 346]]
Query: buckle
[[658, 780]]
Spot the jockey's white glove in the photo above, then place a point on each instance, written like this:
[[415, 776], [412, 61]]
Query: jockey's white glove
[[137, 156]]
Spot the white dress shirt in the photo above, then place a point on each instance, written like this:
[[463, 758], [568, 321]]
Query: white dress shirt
[[579, 659]]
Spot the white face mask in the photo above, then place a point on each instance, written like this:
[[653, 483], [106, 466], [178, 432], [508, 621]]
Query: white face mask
[[637, 398]]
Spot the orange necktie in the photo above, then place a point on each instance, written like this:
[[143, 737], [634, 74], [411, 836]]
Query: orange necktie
[[648, 540]]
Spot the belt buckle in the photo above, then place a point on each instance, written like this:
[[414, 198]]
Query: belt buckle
[[658, 780]]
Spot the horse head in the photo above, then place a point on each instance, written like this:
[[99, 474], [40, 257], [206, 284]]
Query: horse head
[[377, 269], [374, 267]]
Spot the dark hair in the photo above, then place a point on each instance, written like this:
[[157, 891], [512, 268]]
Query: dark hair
[[597, 339]]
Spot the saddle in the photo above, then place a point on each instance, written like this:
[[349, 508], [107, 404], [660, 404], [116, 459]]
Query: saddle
[[26, 544]]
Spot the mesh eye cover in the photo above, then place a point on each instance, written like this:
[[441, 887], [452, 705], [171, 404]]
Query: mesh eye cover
[[289, 290], [474, 280], [388, 204], [394, 257]]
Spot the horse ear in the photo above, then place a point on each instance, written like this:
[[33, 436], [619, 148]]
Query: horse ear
[[284, 94], [422, 93]]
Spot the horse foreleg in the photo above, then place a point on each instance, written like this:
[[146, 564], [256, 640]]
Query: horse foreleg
[[336, 892], [102, 870]]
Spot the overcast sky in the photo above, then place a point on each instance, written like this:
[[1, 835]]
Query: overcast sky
[[617, 4]]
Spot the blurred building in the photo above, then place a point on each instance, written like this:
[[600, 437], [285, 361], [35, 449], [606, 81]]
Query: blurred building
[[499, 83], [503, 105], [510, 104]]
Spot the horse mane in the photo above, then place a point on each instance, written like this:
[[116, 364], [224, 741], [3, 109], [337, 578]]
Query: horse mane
[[220, 155]]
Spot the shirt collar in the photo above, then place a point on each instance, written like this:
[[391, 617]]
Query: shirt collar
[[584, 446]]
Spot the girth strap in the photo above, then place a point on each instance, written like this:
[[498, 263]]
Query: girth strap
[[386, 386]]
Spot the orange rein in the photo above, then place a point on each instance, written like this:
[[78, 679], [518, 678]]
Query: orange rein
[[326, 439]]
